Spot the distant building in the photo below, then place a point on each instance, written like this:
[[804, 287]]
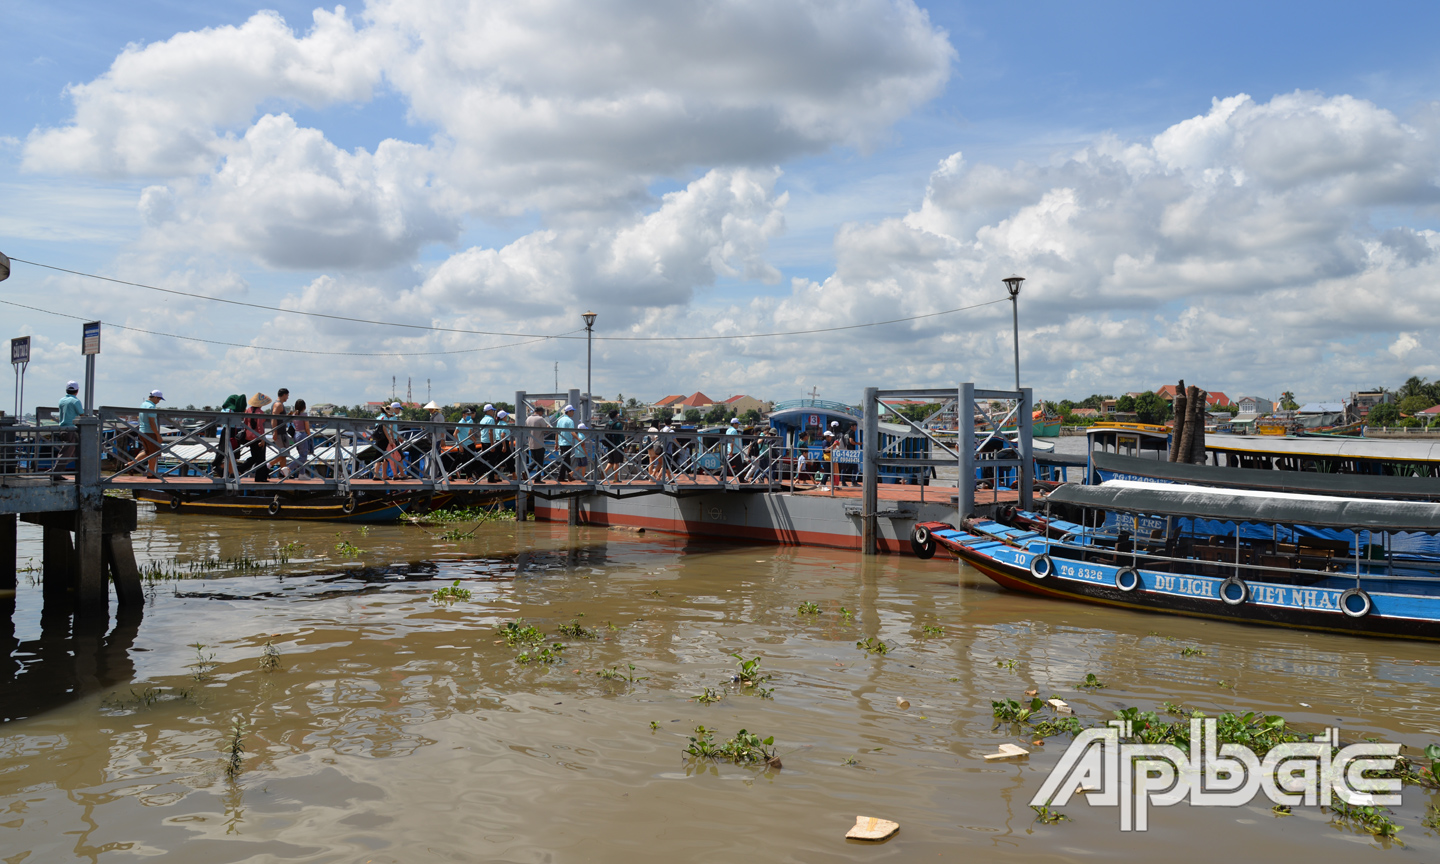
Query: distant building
[[697, 401], [1213, 398], [1107, 406], [743, 404], [1085, 412], [1362, 402], [1255, 405]]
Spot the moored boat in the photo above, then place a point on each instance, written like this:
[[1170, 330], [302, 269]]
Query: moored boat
[[317, 507], [1348, 565]]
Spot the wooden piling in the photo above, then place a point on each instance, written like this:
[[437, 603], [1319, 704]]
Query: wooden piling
[[8, 550], [1197, 441], [1177, 434], [124, 574]]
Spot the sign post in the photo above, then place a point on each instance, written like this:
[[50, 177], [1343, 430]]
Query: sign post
[[20, 358], [90, 346]]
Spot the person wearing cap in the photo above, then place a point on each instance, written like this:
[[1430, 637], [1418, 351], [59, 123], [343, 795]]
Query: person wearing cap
[[656, 446], [614, 442], [70, 407], [849, 471], [228, 439], [150, 431], [735, 447], [255, 429], [535, 425], [565, 441], [395, 459], [464, 436], [827, 458], [304, 442], [504, 443], [487, 441]]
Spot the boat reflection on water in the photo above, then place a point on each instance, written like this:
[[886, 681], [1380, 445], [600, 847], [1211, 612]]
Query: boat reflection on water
[[73, 655]]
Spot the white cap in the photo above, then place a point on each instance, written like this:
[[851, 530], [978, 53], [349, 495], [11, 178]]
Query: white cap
[[72, 385], [503, 414], [582, 426], [834, 423], [489, 407], [829, 434], [394, 404], [569, 408], [156, 394], [734, 421]]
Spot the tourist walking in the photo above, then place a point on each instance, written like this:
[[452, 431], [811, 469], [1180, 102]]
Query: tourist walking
[[465, 437], [614, 444], [150, 432], [255, 430], [279, 429], [228, 438], [535, 443], [504, 444], [734, 449], [565, 441], [487, 444], [304, 443]]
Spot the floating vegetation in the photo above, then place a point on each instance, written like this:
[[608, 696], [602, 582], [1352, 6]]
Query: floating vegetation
[[629, 677], [746, 748], [932, 630], [1007, 663], [1045, 815], [547, 655], [288, 551], [654, 727], [144, 698], [348, 549], [871, 645], [471, 514], [1281, 810], [173, 570], [575, 630], [808, 608], [459, 534], [1010, 711], [1431, 819], [270, 657], [1372, 819], [517, 633], [1058, 726], [364, 530], [1090, 682], [450, 593], [1432, 752], [846, 616], [204, 663], [1191, 651], [749, 672], [850, 762], [237, 748], [709, 696]]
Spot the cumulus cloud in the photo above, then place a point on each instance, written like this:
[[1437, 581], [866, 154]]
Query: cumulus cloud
[[288, 197]]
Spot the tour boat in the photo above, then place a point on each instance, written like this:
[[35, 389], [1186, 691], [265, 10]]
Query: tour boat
[[1351, 565]]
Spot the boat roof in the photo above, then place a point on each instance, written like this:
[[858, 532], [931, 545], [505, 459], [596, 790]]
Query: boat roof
[[1354, 485], [1363, 448], [1140, 428], [1253, 505]]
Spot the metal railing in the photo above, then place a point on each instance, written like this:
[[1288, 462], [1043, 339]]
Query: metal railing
[[31, 454]]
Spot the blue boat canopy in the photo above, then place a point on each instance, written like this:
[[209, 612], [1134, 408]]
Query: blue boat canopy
[[1245, 505], [1353, 485]]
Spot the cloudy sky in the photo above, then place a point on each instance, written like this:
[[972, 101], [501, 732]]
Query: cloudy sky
[[1240, 197]]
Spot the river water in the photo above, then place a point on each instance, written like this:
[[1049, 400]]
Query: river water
[[397, 729]]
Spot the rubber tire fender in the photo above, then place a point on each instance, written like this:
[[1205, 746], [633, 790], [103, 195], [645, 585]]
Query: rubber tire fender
[[175, 502], [349, 506], [1244, 590], [922, 543], [1041, 566], [1355, 592], [274, 506], [1120, 578]]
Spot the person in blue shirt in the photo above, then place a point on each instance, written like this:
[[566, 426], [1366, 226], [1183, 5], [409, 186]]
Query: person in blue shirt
[[464, 436], [504, 452], [150, 431], [70, 408], [735, 447], [487, 438], [565, 441]]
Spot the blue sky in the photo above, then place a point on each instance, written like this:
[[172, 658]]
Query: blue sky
[[720, 219]]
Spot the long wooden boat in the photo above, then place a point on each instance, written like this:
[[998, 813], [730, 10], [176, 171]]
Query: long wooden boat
[[321, 507], [1345, 565]]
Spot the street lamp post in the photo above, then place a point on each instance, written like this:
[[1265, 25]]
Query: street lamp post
[[1012, 285], [589, 341]]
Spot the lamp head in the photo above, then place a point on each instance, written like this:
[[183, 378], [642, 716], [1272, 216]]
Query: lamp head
[[589, 319], [1012, 285]]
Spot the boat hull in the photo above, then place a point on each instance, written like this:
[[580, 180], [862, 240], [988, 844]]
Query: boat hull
[[1293, 606], [314, 508]]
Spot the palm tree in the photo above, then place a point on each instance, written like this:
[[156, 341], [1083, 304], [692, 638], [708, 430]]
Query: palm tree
[[1287, 401], [1413, 386]]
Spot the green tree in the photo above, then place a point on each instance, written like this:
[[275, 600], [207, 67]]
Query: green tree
[[1287, 401], [1125, 404], [1384, 414], [752, 417], [1094, 400], [916, 413], [1150, 408], [1417, 402], [1413, 386], [693, 416]]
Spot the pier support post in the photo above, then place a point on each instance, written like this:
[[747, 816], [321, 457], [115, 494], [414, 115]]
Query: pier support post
[[8, 548], [574, 515], [965, 443], [870, 474], [57, 563], [91, 596], [1025, 476], [120, 560], [522, 456]]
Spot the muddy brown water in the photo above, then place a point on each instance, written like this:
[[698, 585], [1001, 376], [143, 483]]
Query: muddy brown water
[[398, 730]]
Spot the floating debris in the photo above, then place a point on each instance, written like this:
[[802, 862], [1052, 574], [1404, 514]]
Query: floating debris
[[1007, 751], [871, 828]]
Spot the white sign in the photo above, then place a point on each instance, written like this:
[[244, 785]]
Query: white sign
[[90, 340], [1135, 777], [19, 350]]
